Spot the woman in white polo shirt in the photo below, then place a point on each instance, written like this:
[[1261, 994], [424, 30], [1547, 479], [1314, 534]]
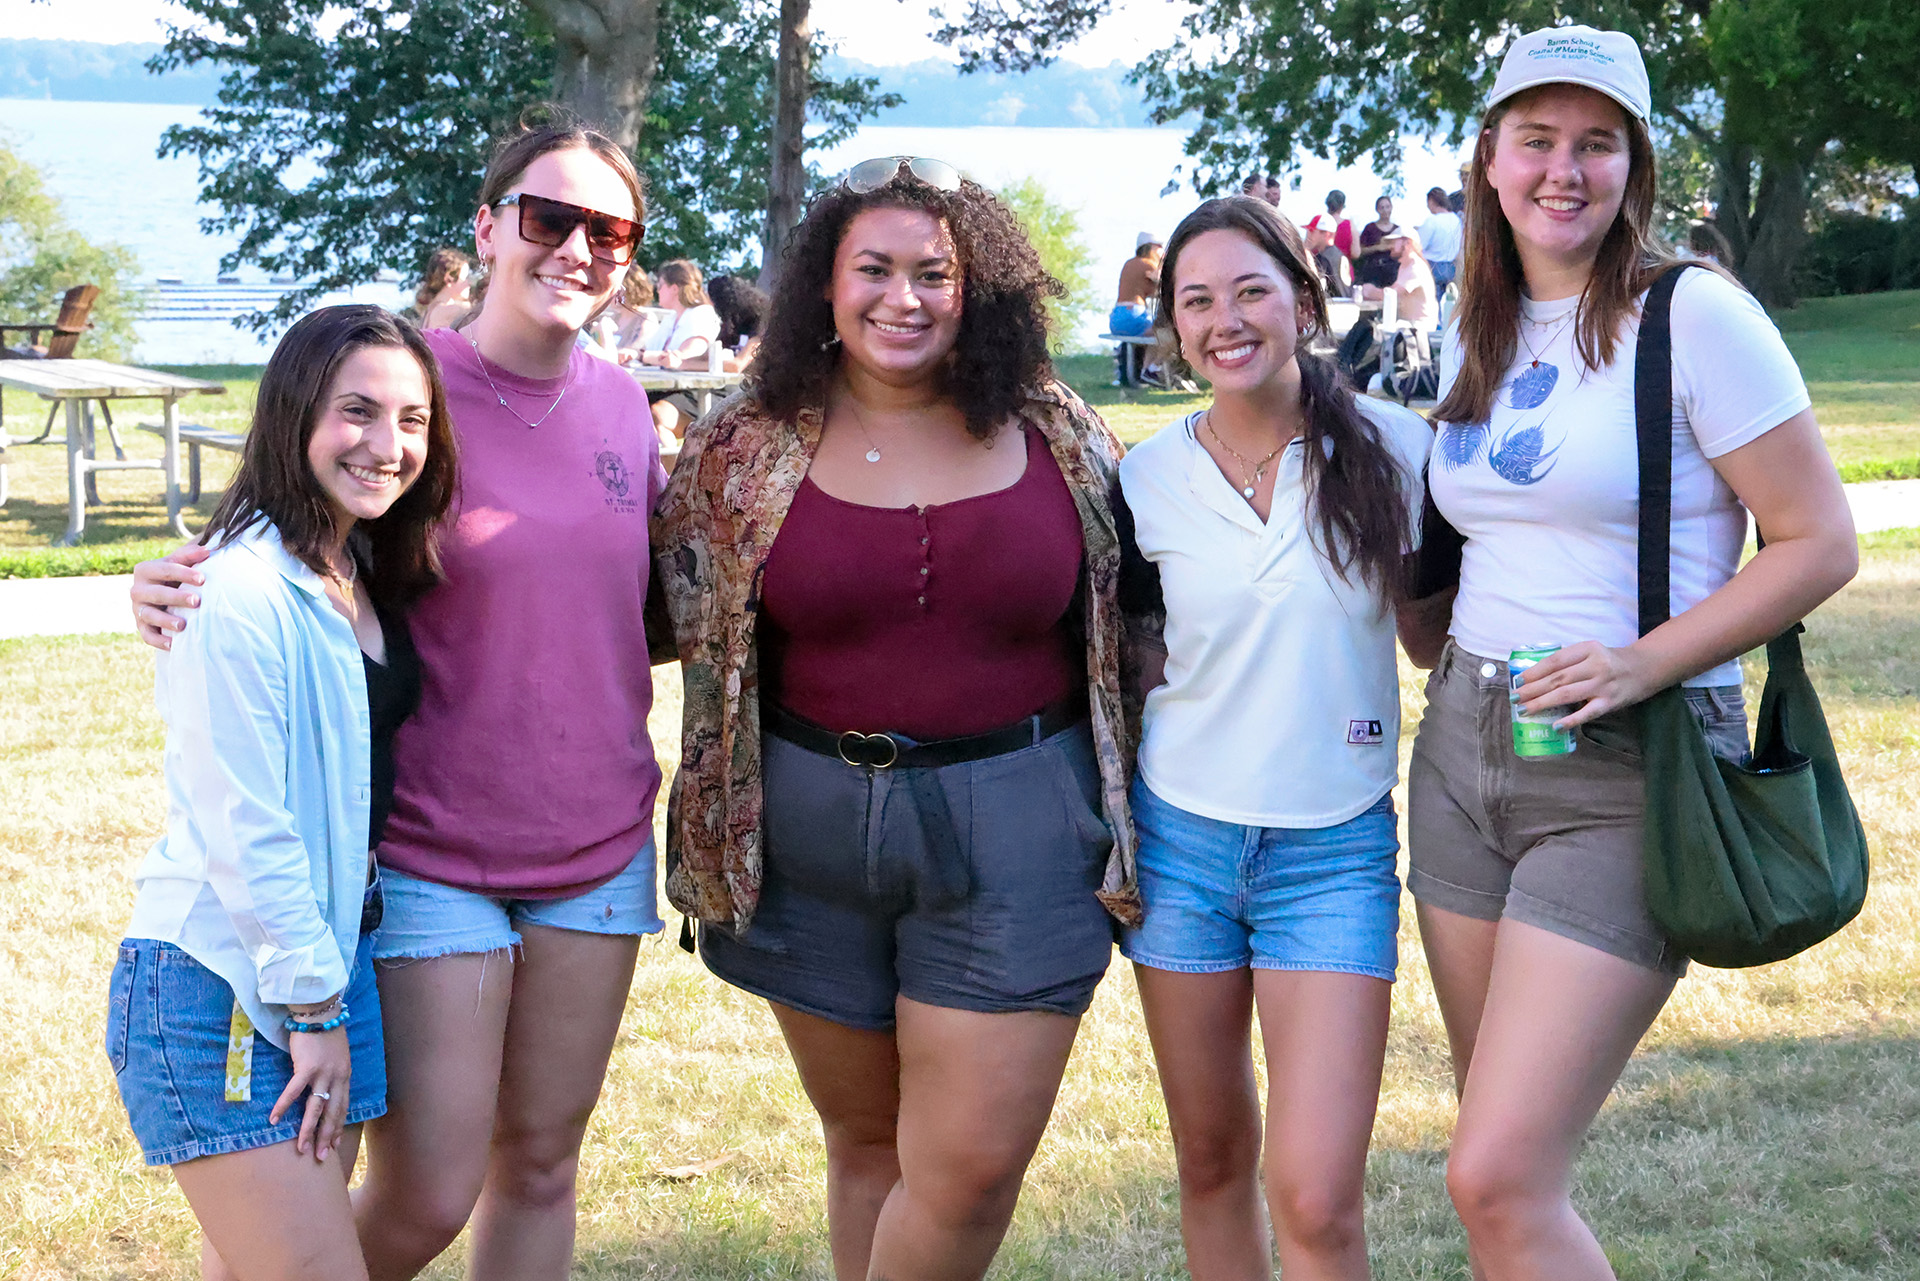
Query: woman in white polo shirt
[[1278, 521]]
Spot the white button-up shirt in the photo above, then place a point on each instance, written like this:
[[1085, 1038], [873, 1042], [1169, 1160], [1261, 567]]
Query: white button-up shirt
[[263, 866], [1282, 702]]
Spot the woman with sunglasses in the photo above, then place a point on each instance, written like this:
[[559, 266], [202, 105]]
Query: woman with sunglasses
[[901, 814], [518, 863]]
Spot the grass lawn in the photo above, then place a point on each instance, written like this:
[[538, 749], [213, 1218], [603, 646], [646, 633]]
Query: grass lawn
[[1769, 1128], [1860, 356]]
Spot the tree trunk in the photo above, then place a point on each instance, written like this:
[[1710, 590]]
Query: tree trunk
[[787, 183], [1779, 231], [1733, 202], [605, 54]]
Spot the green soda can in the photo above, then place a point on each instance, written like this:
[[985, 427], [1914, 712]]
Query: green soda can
[[1533, 732]]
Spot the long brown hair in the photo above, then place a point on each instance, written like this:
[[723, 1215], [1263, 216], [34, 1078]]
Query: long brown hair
[[1358, 491], [1631, 258], [275, 482], [684, 273], [542, 129]]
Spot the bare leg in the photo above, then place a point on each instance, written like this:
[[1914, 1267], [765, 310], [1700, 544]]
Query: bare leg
[[975, 1094], [1559, 1023], [1201, 1027], [1460, 957], [445, 1023], [852, 1077], [277, 1215], [569, 991], [1326, 1041]]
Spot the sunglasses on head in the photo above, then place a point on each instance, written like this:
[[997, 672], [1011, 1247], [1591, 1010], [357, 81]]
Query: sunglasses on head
[[871, 175], [548, 223]]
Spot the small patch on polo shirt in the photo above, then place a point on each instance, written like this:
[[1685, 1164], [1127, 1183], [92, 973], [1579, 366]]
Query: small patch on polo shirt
[[1366, 733]]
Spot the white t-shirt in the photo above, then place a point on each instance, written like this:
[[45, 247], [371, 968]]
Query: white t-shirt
[[695, 322], [1282, 704], [1547, 491], [1440, 237]]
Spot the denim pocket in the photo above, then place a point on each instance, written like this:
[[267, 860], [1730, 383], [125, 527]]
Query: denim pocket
[[120, 1007]]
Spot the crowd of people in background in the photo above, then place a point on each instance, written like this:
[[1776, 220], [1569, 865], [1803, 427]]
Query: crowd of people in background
[[972, 693]]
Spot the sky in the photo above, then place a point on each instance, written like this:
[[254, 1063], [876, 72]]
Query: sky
[[883, 32]]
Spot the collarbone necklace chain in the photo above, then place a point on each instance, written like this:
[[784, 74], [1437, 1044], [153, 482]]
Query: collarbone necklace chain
[[1250, 471], [499, 396], [1533, 354], [860, 421]]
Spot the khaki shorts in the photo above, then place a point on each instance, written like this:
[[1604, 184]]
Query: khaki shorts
[[1554, 841]]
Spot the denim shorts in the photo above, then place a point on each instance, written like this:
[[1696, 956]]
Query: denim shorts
[[426, 919], [168, 1017], [1223, 896], [847, 922]]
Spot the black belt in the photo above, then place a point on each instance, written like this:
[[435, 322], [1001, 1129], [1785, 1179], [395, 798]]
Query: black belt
[[885, 750]]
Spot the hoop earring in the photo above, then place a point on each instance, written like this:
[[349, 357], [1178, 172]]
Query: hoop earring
[[831, 342]]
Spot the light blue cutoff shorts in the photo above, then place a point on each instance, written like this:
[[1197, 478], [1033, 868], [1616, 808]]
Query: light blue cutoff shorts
[[426, 919], [1224, 896]]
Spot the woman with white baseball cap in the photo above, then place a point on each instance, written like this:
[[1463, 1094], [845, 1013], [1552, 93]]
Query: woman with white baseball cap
[[1528, 873]]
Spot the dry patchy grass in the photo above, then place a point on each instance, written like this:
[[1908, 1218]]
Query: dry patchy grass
[[1770, 1128]]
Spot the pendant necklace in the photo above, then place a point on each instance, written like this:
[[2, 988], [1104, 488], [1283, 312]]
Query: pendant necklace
[[860, 421], [565, 387], [1552, 334], [1257, 469]]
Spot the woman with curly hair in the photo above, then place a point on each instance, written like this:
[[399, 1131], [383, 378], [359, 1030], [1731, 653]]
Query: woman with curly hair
[[892, 568]]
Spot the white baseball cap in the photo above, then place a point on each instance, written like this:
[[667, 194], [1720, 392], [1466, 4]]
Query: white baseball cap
[[1144, 239], [1607, 61]]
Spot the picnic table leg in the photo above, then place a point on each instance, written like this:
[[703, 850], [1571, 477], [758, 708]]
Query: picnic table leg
[[193, 471], [93, 482], [170, 463], [76, 480]]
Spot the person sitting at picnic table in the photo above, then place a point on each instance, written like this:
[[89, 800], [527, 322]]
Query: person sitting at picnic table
[[679, 342], [1335, 271], [742, 308], [445, 292], [1373, 264], [1132, 313], [1416, 297]]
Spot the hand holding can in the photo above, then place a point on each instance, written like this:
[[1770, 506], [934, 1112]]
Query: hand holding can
[[1533, 733]]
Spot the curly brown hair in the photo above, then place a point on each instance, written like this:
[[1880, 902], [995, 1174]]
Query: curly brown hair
[[1001, 351]]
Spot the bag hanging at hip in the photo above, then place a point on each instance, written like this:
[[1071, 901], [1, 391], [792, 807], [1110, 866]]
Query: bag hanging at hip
[[1750, 862]]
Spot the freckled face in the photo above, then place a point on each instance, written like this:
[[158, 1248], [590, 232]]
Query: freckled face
[[897, 293], [1560, 165], [1236, 312]]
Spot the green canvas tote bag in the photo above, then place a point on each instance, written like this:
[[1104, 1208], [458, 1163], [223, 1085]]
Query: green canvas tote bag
[[1748, 862]]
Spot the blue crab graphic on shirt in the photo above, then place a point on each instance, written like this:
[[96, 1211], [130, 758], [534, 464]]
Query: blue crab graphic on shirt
[[1521, 455]]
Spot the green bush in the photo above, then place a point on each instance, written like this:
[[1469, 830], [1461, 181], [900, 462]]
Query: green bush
[[41, 257], [1855, 253], [1055, 232]]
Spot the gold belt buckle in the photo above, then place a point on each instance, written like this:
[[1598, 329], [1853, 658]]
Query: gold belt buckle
[[859, 743]]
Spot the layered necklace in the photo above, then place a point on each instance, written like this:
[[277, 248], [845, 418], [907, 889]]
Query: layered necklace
[[1533, 353], [1250, 471], [497, 394]]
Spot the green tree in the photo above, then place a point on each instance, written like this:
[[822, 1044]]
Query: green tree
[[1054, 230], [333, 157], [41, 257]]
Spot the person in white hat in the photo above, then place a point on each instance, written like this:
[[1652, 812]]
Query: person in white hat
[[1528, 874], [1132, 314]]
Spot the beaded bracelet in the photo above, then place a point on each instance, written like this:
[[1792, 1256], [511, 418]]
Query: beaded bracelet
[[295, 1025]]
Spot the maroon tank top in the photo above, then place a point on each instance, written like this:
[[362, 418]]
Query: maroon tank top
[[935, 622]]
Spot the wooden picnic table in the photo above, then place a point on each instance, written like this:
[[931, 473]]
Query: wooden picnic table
[[77, 383], [702, 384]]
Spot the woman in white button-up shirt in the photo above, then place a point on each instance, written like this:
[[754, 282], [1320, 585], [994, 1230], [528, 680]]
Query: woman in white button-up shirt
[[1277, 523], [243, 1024]]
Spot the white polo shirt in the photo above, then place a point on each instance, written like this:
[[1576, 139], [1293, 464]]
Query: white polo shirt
[[1282, 701]]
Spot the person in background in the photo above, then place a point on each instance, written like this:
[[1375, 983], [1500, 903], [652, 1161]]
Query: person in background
[[1277, 524], [1528, 875], [243, 1022], [680, 341], [892, 569], [1132, 312], [1338, 227], [1440, 238], [1709, 244], [1254, 186], [1272, 192], [1416, 297], [445, 292], [1336, 273], [1373, 263], [742, 308], [518, 863]]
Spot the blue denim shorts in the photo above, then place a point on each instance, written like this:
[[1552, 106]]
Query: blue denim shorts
[[167, 1022], [425, 918], [1223, 896]]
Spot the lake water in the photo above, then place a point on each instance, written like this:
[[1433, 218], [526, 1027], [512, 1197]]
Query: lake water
[[98, 158]]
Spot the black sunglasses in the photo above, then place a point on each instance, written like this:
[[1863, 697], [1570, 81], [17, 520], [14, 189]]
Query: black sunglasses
[[548, 223], [871, 175]]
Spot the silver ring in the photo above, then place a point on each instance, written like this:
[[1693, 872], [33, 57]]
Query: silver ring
[[323, 1096]]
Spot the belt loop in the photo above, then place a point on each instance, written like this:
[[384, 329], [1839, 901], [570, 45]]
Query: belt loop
[[1034, 721]]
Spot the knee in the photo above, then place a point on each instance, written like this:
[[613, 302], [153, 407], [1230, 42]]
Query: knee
[[1315, 1217], [536, 1169], [1495, 1189], [419, 1218], [1211, 1162], [862, 1144], [971, 1187]]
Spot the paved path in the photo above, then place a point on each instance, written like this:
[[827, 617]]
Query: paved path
[[69, 606]]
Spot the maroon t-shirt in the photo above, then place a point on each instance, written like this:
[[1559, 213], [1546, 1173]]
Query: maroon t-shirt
[[934, 622]]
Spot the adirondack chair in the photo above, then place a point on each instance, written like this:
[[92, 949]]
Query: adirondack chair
[[63, 336]]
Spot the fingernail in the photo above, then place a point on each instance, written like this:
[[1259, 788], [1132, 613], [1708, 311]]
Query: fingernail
[[194, 599]]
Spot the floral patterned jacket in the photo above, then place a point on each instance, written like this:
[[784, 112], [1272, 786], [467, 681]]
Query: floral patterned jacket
[[736, 478]]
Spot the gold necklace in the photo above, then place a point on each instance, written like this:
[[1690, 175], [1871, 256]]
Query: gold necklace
[[1257, 469]]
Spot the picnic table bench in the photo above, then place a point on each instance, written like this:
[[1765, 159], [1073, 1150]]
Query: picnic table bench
[[196, 437]]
